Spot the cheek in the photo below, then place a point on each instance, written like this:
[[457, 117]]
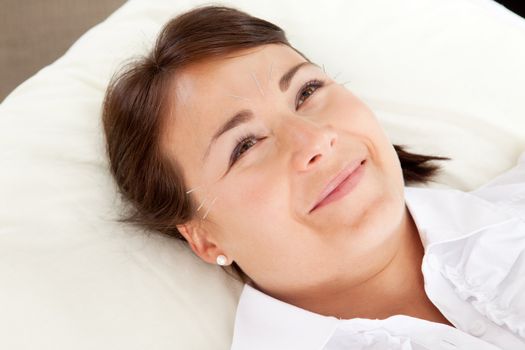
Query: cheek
[[358, 120], [254, 199], [356, 117], [253, 214], [347, 112]]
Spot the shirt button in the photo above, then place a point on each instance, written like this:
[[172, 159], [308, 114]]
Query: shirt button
[[477, 328]]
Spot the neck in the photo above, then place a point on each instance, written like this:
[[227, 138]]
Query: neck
[[398, 288]]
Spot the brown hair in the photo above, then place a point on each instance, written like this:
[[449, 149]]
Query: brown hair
[[134, 111]]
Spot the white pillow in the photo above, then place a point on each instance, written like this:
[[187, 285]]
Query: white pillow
[[445, 77]]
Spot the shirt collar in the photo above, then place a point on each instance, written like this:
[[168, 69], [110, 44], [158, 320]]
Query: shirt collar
[[448, 214], [263, 322]]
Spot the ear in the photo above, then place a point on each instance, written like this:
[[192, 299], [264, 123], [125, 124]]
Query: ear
[[200, 241]]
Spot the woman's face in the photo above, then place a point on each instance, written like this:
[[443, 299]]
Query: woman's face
[[259, 177]]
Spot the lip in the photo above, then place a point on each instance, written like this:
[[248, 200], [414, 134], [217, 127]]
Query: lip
[[342, 184]]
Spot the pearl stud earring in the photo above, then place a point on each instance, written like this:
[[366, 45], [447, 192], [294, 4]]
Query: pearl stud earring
[[221, 260]]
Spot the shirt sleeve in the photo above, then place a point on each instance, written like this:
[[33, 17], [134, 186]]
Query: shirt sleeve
[[508, 189]]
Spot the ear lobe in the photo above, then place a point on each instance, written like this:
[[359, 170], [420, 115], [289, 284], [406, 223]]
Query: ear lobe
[[197, 238]]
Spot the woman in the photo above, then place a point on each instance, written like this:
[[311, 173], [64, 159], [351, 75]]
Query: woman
[[229, 138]]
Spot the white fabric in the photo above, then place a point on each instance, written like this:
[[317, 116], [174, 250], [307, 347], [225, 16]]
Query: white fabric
[[444, 77], [474, 273]]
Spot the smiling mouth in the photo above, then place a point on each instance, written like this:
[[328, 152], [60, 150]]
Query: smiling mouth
[[343, 188]]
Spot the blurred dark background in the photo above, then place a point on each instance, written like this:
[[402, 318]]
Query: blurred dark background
[[34, 33], [518, 7]]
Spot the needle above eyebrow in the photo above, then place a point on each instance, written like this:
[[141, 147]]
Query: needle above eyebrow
[[257, 82], [270, 73]]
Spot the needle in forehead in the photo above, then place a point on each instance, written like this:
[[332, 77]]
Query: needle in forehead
[[270, 73], [240, 97], [257, 83]]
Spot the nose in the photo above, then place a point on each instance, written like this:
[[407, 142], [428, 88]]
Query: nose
[[310, 141]]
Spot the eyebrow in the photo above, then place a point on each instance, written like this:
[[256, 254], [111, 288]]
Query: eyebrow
[[286, 79], [246, 115]]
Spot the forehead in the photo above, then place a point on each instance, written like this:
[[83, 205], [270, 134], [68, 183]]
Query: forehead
[[234, 69], [202, 92]]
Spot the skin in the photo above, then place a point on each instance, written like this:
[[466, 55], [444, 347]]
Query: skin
[[359, 256]]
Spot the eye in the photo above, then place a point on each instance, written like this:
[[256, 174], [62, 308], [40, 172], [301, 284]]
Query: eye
[[306, 91], [243, 144]]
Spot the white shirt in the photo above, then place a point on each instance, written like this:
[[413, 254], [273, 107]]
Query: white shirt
[[473, 269]]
